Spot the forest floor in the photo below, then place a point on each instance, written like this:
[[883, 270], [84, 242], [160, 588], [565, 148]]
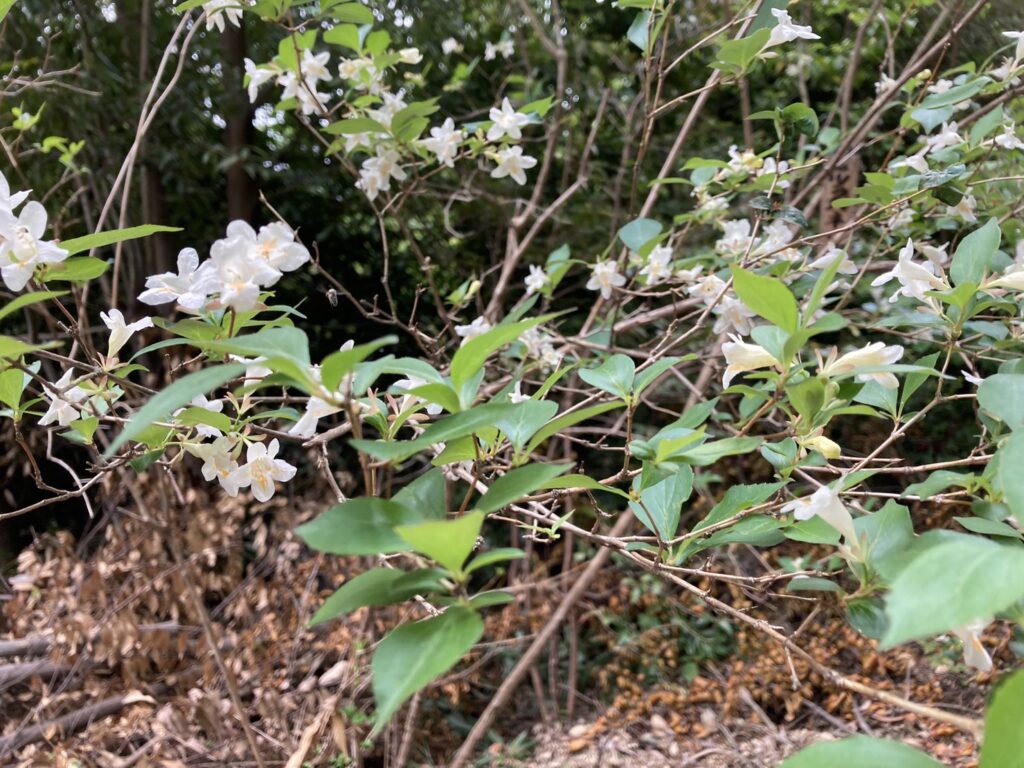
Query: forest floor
[[123, 656]]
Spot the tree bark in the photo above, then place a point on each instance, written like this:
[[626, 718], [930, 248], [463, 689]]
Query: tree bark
[[241, 187]]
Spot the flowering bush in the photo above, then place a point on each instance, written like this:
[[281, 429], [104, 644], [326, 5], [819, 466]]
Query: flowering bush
[[766, 317]]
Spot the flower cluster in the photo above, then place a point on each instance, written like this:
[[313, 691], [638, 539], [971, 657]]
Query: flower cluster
[[239, 267], [22, 247]]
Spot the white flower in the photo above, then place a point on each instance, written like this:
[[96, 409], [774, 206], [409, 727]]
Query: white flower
[[735, 239], [785, 31], [190, 287], [393, 104], [914, 279], [831, 255], [506, 122], [940, 86], [964, 209], [62, 402], [708, 289], [444, 142], [516, 395], [536, 280], [1004, 71], [946, 137], [1012, 278], [935, 254], [377, 172], [874, 354], [316, 409], [261, 469], [450, 45], [779, 168], [274, 244], [504, 48], [605, 277], [8, 200], [218, 10], [218, 462], [257, 76], [120, 331], [1008, 139], [408, 384], [254, 368], [21, 246], [474, 329], [732, 314], [410, 56], [902, 218], [689, 275], [741, 357], [915, 162], [1018, 52], [512, 162], [744, 162], [825, 503], [972, 378], [884, 84], [658, 266], [975, 654], [239, 274]]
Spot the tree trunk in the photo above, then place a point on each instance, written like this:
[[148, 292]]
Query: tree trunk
[[242, 194]]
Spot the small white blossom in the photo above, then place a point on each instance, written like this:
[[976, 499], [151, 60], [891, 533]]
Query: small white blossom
[[873, 355], [605, 278], [884, 84], [964, 209], [830, 256], [735, 240], [62, 402], [239, 274], [450, 45], [190, 287], [218, 462], [218, 10], [410, 56], [274, 245], [1018, 52], [410, 383], [506, 122], [741, 356], [536, 280], [22, 248], [473, 329], [377, 172], [1008, 138], [935, 254], [785, 31], [947, 136], [708, 289], [516, 395], [261, 469], [658, 266], [914, 279], [444, 142], [732, 314], [826, 504], [120, 331], [512, 162], [504, 48], [975, 654], [257, 76]]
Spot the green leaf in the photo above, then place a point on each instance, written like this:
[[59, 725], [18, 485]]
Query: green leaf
[[472, 355], [348, 36], [807, 397], [885, 535], [1002, 395], [567, 420], [500, 555], [647, 375], [350, 13], [522, 423], [638, 30], [425, 494], [378, 586], [448, 542], [930, 119], [1003, 745], [414, 655], [362, 526], [27, 299], [767, 297], [100, 239], [74, 270], [956, 94], [973, 256], [5, 8], [937, 482], [1011, 479], [812, 584], [177, 394], [637, 233], [801, 117], [709, 453], [989, 527], [338, 364], [661, 503], [951, 584], [12, 384], [518, 483], [860, 752], [11, 347], [614, 376]]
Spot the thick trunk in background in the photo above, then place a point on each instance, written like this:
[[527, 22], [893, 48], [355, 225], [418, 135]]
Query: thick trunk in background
[[242, 195]]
